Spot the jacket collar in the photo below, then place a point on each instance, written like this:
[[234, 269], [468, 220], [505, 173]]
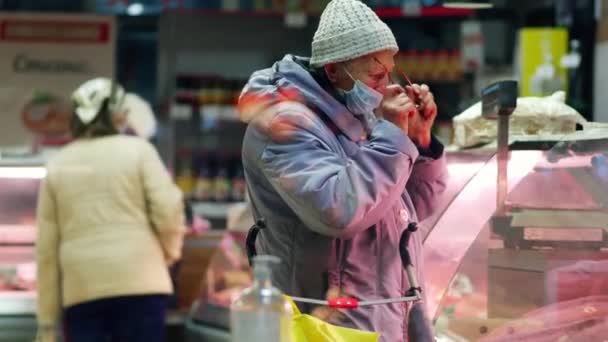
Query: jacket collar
[[324, 97]]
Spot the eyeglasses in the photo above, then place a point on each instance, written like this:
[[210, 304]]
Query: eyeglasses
[[399, 73]]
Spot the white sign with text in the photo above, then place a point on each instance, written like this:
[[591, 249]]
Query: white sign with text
[[43, 58]]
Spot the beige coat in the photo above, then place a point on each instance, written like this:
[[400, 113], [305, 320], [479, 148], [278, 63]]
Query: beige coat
[[110, 220]]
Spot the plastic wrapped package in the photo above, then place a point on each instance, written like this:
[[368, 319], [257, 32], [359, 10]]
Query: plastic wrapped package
[[533, 116]]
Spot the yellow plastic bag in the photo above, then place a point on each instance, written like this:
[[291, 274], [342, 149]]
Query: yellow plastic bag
[[306, 328]]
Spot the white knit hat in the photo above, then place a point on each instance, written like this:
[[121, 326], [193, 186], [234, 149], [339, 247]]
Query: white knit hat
[[349, 29]]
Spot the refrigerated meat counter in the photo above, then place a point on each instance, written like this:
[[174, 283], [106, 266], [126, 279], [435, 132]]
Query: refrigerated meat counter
[[19, 183], [535, 271]]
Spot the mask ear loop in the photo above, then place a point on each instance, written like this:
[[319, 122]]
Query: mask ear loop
[[348, 73]]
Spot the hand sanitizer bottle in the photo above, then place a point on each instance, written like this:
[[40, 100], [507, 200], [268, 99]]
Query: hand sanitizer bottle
[[261, 313]]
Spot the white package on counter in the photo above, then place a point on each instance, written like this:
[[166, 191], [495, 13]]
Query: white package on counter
[[533, 116]]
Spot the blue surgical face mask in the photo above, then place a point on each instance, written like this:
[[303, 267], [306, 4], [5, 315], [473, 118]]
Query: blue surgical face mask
[[362, 99]]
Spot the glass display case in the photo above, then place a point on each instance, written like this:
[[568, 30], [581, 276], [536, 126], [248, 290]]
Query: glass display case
[[19, 183], [536, 270]]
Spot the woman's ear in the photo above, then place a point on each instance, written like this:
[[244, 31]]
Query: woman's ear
[[331, 70]]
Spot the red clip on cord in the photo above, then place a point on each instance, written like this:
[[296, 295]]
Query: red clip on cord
[[343, 303]]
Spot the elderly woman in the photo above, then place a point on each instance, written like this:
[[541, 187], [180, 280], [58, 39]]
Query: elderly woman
[[110, 221]]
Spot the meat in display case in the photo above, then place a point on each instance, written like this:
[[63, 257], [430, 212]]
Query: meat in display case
[[535, 270], [19, 185]]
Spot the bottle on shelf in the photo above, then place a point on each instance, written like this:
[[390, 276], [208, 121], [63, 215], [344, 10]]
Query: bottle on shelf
[[239, 187], [442, 66], [187, 86], [203, 190], [409, 63], [237, 86], [216, 91], [184, 178], [415, 61], [426, 63], [227, 92], [261, 312], [204, 93], [455, 62], [221, 182], [399, 59]]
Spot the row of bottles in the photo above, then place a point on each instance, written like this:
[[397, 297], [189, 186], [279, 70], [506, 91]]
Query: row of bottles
[[431, 65], [209, 89], [210, 176]]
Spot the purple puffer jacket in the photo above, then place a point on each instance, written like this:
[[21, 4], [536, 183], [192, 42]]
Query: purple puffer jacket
[[335, 194]]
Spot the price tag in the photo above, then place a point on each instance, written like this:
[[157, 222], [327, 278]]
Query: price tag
[[180, 112], [411, 8], [296, 19]]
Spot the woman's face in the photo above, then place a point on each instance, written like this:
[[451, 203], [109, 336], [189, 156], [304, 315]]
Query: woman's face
[[372, 69]]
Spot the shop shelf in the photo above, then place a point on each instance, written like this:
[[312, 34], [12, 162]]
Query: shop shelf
[[212, 210], [383, 12]]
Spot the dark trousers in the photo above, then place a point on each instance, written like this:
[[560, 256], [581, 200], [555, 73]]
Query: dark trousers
[[118, 319]]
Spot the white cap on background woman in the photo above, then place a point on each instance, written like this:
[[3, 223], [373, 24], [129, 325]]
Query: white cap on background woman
[[129, 111]]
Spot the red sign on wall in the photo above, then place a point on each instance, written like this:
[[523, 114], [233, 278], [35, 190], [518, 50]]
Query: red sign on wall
[[50, 31]]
